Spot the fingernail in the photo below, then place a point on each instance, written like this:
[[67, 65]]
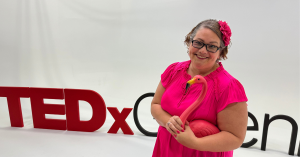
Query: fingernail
[[182, 130], [178, 132], [175, 135]]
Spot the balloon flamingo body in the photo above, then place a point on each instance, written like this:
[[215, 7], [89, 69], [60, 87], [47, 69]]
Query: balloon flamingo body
[[200, 128]]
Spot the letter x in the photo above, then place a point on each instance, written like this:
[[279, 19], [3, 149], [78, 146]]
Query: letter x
[[120, 120]]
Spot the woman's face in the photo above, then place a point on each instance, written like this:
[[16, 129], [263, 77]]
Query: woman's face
[[201, 58]]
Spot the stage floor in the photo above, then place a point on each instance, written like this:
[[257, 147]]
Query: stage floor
[[27, 141]]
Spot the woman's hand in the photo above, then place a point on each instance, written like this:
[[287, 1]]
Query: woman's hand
[[174, 126], [187, 138]]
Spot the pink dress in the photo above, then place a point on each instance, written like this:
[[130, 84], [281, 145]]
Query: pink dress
[[223, 89]]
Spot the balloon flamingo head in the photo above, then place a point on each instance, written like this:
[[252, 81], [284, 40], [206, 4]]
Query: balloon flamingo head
[[192, 107], [195, 79]]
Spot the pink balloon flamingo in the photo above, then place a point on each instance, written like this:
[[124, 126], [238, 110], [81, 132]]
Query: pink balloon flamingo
[[200, 128]]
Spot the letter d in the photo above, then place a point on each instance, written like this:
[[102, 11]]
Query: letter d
[[72, 97]]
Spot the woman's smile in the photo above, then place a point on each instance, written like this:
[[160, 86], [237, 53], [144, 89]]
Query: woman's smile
[[200, 57]]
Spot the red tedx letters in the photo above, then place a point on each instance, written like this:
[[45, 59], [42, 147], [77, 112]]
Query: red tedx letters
[[70, 109]]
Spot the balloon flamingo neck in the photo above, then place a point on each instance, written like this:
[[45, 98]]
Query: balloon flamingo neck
[[190, 109]]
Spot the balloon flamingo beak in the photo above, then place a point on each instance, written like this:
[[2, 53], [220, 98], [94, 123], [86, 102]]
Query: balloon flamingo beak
[[189, 83]]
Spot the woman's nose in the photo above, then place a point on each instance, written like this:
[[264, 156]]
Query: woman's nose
[[203, 49]]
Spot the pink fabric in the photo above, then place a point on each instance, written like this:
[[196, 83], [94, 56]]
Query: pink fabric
[[223, 89]]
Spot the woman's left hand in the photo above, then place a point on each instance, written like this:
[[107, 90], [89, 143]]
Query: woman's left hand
[[187, 138]]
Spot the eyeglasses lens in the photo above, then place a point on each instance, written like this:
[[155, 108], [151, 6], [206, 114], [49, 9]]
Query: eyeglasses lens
[[199, 45], [212, 48]]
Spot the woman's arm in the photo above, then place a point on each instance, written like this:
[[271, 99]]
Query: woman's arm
[[232, 121], [160, 115]]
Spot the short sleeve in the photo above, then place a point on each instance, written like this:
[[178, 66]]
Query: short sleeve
[[233, 93], [168, 74]]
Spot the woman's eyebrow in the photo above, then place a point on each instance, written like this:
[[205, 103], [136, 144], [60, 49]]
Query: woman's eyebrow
[[209, 42], [200, 39]]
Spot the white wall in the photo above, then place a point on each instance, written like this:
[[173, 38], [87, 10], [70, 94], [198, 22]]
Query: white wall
[[119, 48]]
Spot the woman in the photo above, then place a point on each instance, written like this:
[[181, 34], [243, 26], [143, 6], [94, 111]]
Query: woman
[[224, 104]]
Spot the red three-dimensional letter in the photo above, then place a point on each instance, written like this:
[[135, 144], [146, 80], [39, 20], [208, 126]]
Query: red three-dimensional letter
[[72, 97], [13, 95], [120, 120], [39, 109]]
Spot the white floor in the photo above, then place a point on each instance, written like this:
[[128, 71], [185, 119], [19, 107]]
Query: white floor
[[16, 142]]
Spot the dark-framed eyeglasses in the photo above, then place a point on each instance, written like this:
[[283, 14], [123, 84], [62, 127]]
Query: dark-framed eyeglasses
[[210, 48]]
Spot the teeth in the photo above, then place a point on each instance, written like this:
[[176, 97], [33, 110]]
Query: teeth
[[200, 56]]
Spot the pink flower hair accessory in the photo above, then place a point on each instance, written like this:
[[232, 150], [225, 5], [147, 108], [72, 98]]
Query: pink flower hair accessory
[[226, 32]]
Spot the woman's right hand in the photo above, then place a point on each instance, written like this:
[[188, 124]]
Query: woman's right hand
[[174, 125]]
